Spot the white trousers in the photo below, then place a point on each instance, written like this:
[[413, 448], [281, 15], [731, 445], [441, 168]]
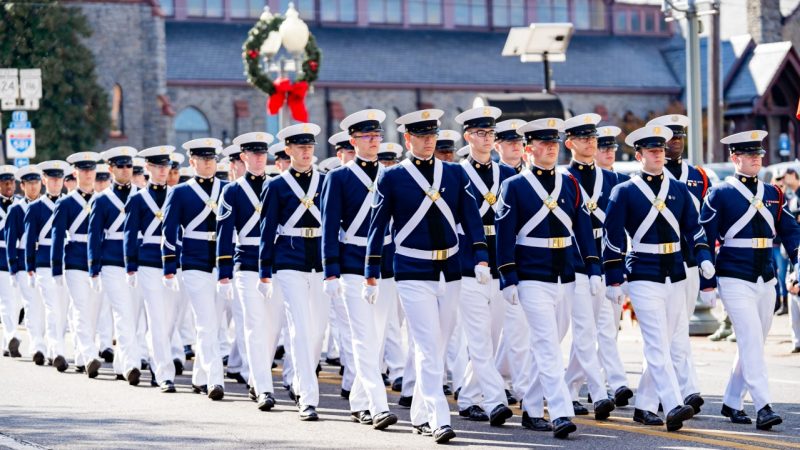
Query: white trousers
[[660, 311], [307, 316], [794, 314], [540, 301], [207, 308], [34, 313], [105, 326], [339, 331], [513, 358], [607, 348], [681, 344], [410, 368], [86, 305], [262, 327], [750, 307], [430, 309], [367, 325], [56, 305], [161, 306], [394, 353], [332, 348], [287, 371], [456, 357], [10, 307], [237, 358], [125, 312], [483, 384]]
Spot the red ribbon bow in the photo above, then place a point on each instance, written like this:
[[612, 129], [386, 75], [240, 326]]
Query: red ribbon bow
[[293, 94]]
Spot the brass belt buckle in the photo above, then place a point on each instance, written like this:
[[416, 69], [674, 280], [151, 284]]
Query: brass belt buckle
[[759, 242], [488, 230], [307, 232], [439, 255], [666, 248], [558, 242], [212, 235]]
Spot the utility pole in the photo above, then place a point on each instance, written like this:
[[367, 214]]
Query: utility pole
[[714, 103]]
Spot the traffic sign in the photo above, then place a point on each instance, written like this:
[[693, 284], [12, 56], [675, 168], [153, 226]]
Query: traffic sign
[[22, 162], [30, 83], [20, 143], [19, 119], [9, 84]]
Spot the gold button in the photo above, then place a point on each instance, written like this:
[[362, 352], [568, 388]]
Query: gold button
[[417, 161], [297, 175], [649, 178], [252, 177], [201, 180], [552, 172], [744, 179], [363, 164], [538, 172], [477, 166], [580, 167], [661, 177]]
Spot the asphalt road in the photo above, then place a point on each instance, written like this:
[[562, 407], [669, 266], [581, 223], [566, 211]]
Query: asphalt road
[[42, 408]]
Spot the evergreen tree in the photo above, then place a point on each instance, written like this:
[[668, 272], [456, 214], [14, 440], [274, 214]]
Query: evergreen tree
[[73, 112]]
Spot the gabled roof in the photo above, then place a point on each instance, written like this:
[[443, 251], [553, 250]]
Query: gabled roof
[[757, 72]]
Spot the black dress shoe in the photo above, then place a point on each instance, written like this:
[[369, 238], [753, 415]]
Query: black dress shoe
[[309, 414], [796, 350], [279, 352], [178, 366], [499, 415], [61, 363], [695, 401], [362, 417], [13, 348], [603, 408], [397, 384], [93, 368], [38, 358], [107, 355], [216, 392], [341, 370], [456, 394], [133, 376], [333, 362], [265, 401], [580, 410], [737, 416], [424, 429], [201, 389], [443, 434], [188, 352], [319, 369], [153, 382], [647, 418], [236, 376], [386, 381], [225, 360], [676, 417], [167, 387], [345, 394], [474, 413], [447, 390], [562, 427], [6, 354], [144, 364], [382, 420], [535, 423], [251, 393], [767, 418], [119, 377], [622, 395], [510, 398], [405, 402]]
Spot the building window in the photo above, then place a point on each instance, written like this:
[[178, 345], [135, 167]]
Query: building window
[[551, 11], [191, 124], [386, 11], [117, 112], [244, 9], [425, 12], [639, 20], [338, 11], [508, 13], [204, 8], [589, 14], [471, 13], [304, 7], [167, 7]]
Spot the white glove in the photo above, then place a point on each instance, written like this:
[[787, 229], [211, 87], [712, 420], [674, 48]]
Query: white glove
[[511, 295], [709, 298], [171, 283], [32, 281], [333, 288], [225, 290], [483, 275], [59, 279], [13, 279], [615, 294], [369, 293], [265, 289], [96, 284], [707, 270], [595, 284], [131, 280]]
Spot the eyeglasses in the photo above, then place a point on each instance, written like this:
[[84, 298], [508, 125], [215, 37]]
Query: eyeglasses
[[484, 133], [370, 137]]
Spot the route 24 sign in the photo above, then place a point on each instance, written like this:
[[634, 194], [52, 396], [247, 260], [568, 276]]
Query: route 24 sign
[[20, 143]]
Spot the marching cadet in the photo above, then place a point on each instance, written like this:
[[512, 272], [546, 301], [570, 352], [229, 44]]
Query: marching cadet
[[509, 144], [445, 144], [237, 263], [69, 260], [347, 195], [328, 164], [103, 177], [278, 153], [192, 208], [420, 200], [234, 155], [607, 149], [595, 185], [223, 170], [185, 174], [37, 222], [291, 212], [139, 178], [539, 208], [483, 384], [105, 321], [10, 306], [655, 211], [345, 151], [143, 264], [107, 260], [30, 178], [696, 180], [746, 215], [175, 161], [70, 182]]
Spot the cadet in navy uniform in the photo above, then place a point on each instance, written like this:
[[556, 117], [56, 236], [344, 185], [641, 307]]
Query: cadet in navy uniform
[[107, 260], [421, 200], [607, 149], [139, 177], [538, 211], [345, 151], [291, 248], [143, 216], [478, 306], [69, 260], [595, 185], [445, 144], [509, 144], [278, 152], [237, 263], [10, 305], [38, 222], [347, 195], [655, 211], [192, 208], [746, 215], [30, 178]]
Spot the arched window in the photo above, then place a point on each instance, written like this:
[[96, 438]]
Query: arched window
[[117, 112], [191, 124]]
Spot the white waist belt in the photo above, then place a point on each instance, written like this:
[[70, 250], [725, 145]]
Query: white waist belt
[[360, 241], [555, 242], [76, 238], [429, 255], [301, 232], [657, 249], [45, 241], [249, 241], [748, 243], [200, 235], [116, 236], [152, 240]]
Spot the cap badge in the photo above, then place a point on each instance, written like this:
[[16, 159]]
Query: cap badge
[[754, 135], [208, 142], [551, 123], [260, 136], [487, 112], [657, 130], [426, 114], [587, 119], [390, 146], [514, 125], [306, 128], [371, 115]]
